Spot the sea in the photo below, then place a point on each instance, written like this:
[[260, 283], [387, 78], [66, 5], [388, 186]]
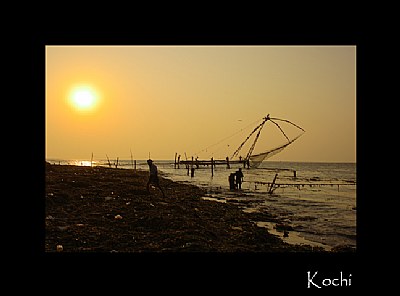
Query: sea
[[315, 202]]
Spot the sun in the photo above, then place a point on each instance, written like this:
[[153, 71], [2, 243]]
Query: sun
[[83, 97]]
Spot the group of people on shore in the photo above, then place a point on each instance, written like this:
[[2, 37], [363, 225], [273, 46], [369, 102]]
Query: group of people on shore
[[236, 179]]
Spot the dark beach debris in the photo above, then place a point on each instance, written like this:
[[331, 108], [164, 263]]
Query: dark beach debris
[[283, 227], [305, 218], [343, 248], [81, 216]]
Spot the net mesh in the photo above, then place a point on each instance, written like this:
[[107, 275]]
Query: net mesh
[[257, 159]]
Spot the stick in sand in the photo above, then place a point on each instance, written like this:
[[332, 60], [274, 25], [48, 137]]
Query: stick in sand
[[131, 157], [109, 163]]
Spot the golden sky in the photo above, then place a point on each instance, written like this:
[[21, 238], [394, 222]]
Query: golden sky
[[166, 99]]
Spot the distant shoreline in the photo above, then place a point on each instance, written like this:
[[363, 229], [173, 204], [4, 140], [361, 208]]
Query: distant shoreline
[[51, 160]]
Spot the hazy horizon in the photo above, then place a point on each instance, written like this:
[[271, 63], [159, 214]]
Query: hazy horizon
[[162, 100], [87, 159]]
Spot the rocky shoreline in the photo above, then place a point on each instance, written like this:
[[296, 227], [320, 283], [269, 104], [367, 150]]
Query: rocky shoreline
[[99, 209]]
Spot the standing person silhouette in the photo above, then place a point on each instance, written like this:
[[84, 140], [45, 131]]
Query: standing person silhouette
[[153, 177], [231, 179], [239, 178]]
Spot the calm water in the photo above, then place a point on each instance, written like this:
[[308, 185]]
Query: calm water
[[320, 215]]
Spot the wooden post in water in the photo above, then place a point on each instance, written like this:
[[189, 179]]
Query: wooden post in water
[[116, 165], [191, 169], [212, 166], [135, 165], [192, 172], [294, 174], [91, 161], [131, 157], [227, 163], [175, 161]]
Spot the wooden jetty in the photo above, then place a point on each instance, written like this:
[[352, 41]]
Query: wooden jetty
[[196, 164], [274, 185], [210, 162]]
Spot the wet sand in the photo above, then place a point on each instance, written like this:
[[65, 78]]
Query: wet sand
[[99, 209]]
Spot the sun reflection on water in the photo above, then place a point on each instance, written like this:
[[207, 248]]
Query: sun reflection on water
[[84, 163]]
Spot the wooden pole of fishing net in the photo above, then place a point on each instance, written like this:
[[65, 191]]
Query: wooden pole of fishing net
[[271, 189]]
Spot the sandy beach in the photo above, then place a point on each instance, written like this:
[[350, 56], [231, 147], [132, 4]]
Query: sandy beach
[[99, 209]]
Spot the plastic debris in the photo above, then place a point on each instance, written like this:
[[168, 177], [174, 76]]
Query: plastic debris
[[118, 217], [60, 248]]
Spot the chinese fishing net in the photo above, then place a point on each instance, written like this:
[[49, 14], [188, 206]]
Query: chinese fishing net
[[257, 159]]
